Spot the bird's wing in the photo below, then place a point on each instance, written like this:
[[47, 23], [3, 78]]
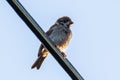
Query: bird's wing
[[51, 30]]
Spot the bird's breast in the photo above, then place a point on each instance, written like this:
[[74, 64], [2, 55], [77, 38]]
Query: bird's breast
[[61, 38]]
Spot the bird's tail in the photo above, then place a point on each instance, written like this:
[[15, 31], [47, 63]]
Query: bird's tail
[[38, 62]]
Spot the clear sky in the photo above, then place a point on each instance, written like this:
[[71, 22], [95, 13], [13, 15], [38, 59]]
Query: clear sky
[[94, 50]]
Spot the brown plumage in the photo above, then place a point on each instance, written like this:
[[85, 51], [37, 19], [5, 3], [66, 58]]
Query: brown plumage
[[60, 34]]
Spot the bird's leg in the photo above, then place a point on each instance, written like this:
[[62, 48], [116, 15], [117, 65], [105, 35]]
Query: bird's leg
[[64, 55]]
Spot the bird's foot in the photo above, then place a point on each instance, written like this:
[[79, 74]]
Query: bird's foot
[[64, 55]]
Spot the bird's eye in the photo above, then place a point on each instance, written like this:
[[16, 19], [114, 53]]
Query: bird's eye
[[65, 21]]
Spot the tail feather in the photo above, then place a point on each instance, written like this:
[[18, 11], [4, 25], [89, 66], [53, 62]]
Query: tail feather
[[38, 62]]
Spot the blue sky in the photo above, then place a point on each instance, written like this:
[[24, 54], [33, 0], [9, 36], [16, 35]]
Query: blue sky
[[94, 50]]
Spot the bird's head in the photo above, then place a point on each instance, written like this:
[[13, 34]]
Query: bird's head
[[65, 21]]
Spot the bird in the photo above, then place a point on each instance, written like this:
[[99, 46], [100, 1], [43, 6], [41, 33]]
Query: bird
[[60, 34]]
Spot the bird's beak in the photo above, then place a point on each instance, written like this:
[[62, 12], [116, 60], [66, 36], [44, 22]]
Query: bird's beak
[[71, 22]]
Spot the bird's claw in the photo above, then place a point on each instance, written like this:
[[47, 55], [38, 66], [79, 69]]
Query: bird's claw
[[64, 55]]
